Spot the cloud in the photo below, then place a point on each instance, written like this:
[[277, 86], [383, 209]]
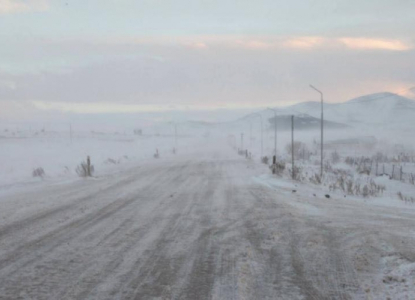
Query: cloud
[[305, 42], [375, 44], [236, 70], [9, 84], [195, 45], [248, 42], [255, 44], [260, 43], [18, 6]]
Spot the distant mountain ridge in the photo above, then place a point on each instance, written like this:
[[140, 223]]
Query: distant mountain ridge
[[303, 122], [379, 109]]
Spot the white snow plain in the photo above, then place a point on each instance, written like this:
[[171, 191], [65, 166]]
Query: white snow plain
[[202, 224]]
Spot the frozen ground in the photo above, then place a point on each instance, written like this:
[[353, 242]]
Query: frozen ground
[[22, 152], [208, 226]]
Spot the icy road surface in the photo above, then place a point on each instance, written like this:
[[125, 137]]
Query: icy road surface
[[200, 229]]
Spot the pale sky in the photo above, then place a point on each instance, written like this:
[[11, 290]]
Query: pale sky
[[100, 56]]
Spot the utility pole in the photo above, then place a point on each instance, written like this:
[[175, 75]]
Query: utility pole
[[242, 141], [322, 121], [275, 130], [292, 144]]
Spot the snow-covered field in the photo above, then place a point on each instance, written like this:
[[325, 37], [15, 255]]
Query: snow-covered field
[[59, 157], [205, 222], [202, 224]]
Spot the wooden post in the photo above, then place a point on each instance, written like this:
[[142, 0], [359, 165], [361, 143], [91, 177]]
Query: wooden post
[[400, 174], [274, 162], [88, 164]]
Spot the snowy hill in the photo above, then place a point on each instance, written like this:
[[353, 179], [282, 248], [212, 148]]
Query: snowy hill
[[303, 122], [380, 109]]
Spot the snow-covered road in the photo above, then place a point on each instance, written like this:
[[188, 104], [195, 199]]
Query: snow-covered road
[[199, 228]]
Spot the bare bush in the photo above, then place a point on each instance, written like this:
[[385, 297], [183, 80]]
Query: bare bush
[[350, 185], [66, 170], [38, 172], [300, 150], [264, 160], [85, 169], [335, 157], [407, 199], [316, 179], [111, 161], [350, 160], [380, 157], [278, 168], [297, 174], [365, 191]]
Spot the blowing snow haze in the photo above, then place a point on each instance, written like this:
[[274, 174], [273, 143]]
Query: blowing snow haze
[[161, 149]]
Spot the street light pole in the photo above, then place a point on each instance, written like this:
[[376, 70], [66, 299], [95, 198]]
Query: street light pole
[[275, 130], [322, 120], [242, 142]]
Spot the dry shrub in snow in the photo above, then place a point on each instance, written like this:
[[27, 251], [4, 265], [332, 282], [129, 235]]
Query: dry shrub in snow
[[297, 174], [335, 157], [344, 180], [38, 172], [278, 168], [300, 150], [380, 157], [85, 169], [354, 186], [66, 170], [111, 161], [316, 179], [363, 164], [406, 198]]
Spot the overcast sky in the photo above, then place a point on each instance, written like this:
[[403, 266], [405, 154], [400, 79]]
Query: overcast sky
[[100, 56]]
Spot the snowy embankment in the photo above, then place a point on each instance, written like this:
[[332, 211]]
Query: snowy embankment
[[375, 233], [59, 157]]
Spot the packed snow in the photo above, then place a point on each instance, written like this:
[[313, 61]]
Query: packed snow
[[206, 219]]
